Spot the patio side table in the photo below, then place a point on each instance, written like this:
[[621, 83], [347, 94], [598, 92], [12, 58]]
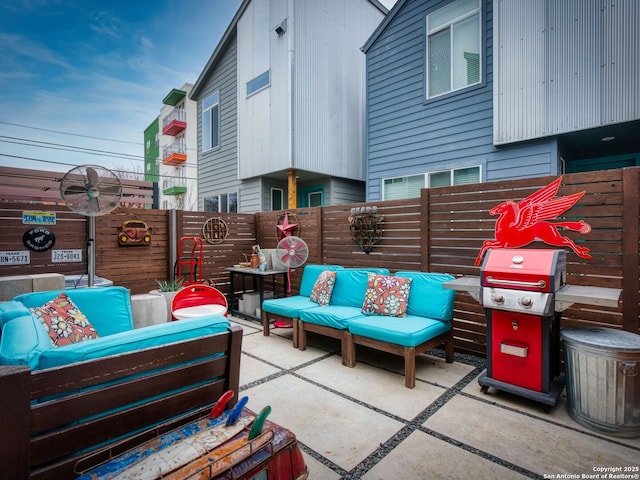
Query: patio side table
[[258, 281]]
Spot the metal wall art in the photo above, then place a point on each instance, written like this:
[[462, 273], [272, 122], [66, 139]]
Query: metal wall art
[[521, 223], [134, 233], [287, 225], [215, 231], [366, 227]]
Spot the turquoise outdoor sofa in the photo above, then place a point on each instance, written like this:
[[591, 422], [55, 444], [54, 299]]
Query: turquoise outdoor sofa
[[25, 341], [73, 407], [426, 324]]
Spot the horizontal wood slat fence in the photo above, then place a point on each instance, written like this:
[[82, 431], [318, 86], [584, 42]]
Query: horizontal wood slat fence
[[442, 231]]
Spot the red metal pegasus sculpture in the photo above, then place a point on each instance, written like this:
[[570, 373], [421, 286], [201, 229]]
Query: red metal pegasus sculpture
[[521, 223]]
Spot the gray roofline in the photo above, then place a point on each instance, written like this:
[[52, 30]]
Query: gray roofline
[[383, 25], [226, 37]]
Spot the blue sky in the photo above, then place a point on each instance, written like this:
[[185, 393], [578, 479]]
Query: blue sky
[[96, 69]]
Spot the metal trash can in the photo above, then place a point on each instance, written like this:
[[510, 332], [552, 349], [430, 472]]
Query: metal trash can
[[602, 367]]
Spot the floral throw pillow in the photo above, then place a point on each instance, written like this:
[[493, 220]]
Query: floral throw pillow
[[386, 295], [321, 292], [64, 321]]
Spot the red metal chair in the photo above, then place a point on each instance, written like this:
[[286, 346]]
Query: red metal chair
[[198, 301]]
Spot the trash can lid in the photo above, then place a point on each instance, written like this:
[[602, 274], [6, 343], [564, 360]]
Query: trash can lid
[[602, 337]]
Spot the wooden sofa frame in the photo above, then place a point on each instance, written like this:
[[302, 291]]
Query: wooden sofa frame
[[409, 353], [60, 422], [348, 342]]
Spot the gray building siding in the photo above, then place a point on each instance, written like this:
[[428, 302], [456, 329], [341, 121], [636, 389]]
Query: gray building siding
[[218, 168], [564, 66], [407, 134]]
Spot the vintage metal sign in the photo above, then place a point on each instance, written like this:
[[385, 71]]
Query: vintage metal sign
[[39, 218], [15, 257], [521, 223], [39, 239]]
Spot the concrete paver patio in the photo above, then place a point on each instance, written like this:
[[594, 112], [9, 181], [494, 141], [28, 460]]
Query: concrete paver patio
[[362, 422]]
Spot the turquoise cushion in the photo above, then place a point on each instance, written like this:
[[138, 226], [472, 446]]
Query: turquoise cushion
[[427, 298], [351, 285], [107, 308], [11, 309], [288, 306], [23, 341], [309, 276], [334, 316], [409, 331], [137, 339]]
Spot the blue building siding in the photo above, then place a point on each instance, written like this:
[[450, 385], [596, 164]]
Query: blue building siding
[[407, 134]]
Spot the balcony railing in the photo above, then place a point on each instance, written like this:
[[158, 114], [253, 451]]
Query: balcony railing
[[175, 122], [174, 154], [174, 186]]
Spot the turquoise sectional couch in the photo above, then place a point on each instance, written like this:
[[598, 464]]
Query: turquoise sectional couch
[[24, 340], [73, 406], [426, 324]]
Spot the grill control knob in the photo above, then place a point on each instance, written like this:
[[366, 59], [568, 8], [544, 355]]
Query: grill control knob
[[497, 298], [525, 302]]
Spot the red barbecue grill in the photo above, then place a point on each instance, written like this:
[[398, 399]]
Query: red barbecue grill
[[523, 328]]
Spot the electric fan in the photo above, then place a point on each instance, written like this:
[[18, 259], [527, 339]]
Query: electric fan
[[91, 190], [292, 251]]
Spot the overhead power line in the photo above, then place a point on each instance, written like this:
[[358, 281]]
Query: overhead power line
[[68, 133], [20, 157]]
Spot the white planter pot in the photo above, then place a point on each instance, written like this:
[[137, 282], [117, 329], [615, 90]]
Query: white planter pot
[[168, 297]]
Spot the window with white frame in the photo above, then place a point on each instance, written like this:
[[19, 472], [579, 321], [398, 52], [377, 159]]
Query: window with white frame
[[397, 188], [402, 187], [455, 176], [454, 40], [258, 83], [223, 203], [211, 122]]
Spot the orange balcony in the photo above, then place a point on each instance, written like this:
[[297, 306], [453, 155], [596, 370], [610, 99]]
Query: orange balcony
[[175, 159], [174, 154]]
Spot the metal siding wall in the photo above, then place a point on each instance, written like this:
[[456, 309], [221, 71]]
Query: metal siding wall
[[253, 112], [520, 70], [564, 66], [329, 85]]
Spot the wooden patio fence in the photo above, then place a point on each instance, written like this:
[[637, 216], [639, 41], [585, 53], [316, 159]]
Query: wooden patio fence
[[441, 231]]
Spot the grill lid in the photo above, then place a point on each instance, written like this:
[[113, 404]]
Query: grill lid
[[524, 269]]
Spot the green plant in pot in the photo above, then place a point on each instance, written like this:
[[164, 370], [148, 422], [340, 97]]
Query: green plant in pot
[[169, 285], [168, 289]]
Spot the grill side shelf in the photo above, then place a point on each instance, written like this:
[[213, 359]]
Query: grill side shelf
[[469, 284], [567, 295]]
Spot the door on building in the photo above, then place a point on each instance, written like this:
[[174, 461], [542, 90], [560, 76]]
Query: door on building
[[311, 197]]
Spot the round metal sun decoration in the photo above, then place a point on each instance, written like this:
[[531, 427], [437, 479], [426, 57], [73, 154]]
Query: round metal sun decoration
[[287, 225], [215, 230]]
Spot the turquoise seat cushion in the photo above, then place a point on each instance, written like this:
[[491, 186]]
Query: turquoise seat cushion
[[107, 308], [310, 274], [151, 336], [427, 298], [23, 341], [409, 331], [288, 306], [334, 316], [10, 310], [351, 285]]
